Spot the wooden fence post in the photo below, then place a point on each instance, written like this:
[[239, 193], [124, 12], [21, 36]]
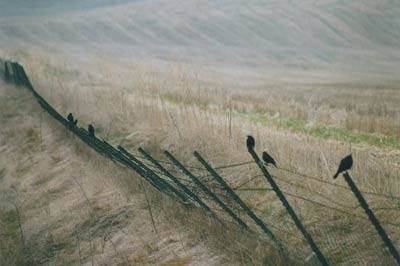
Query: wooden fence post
[[178, 183], [14, 73], [372, 218], [206, 190], [236, 198], [289, 209], [25, 79], [163, 183], [6, 72]]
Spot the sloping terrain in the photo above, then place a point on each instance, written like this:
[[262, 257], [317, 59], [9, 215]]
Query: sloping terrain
[[356, 245], [292, 41], [64, 205], [199, 75]]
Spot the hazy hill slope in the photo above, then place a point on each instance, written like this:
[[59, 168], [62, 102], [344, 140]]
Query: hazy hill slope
[[358, 36], [75, 207], [47, 7]]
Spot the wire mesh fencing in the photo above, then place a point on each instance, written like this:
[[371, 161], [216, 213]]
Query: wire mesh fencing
[[320, 222]]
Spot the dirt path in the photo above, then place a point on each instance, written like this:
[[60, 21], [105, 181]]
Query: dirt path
[[75, 207]]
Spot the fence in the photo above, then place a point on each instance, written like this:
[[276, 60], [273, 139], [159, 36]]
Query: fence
[[203, 187]]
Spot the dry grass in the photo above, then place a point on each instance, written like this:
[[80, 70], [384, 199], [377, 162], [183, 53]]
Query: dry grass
[[355, 107], [76, 208], [137, 106]]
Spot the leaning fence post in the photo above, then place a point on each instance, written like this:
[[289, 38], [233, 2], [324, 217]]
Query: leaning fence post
[[235, 197], [14, 73], [6, 72], [372, 217], [25, 78], [178, 183], [18, 74], [206, 190], [285, 203], [18, 67], [142, 172], [156, 177]]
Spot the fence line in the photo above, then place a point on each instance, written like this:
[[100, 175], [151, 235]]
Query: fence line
[[337, 185], [236, 198], [158, 179], [170, 182], [179, 184], [289, 209], [207, 191], [372, 218]]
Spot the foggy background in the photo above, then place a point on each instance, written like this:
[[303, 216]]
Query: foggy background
[[286, 41]]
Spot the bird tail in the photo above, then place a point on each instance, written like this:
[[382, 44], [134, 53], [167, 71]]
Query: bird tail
[[336, 175]]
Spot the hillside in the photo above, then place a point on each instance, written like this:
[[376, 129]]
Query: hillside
[[289, 41], [62, 204], [312, 81]]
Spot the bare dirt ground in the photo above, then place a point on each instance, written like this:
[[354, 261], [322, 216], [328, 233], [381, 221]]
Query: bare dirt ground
[[76, 208]]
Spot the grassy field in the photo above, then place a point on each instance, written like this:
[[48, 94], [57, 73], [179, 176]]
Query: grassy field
[[155, 115], [61, 204], [310, 81]]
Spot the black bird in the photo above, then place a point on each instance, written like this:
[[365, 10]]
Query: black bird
[[91, 130], [345, 164], [268, 159], [251, 143], [70, 118]]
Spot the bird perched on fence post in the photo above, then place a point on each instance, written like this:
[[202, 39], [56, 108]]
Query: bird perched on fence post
[[251, 143], [345, 164], [268, 159], [91, 131], [71, 120]]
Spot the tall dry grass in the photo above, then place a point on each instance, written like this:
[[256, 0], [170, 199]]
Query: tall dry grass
[[127, 104], [75, 207]]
